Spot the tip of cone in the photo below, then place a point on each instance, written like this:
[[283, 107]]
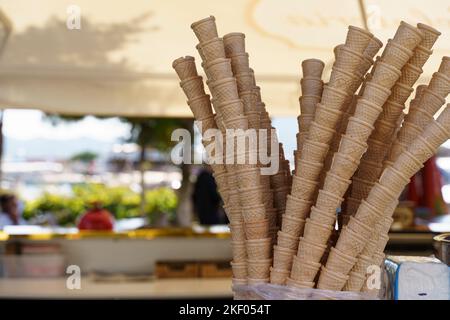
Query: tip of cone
[[424, 26]]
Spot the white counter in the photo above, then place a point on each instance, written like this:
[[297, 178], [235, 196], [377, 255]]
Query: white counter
[[162, 288]]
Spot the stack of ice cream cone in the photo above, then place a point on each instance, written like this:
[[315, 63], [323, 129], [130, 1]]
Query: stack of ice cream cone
[[387, 124]]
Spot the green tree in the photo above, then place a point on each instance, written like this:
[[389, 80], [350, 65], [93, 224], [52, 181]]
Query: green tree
[[85, 156]]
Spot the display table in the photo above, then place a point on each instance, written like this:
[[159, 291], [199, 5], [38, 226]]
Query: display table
[[156, 289]]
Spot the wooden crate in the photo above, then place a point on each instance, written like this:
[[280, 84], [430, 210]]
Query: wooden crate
[[215, 269], [177, 269]]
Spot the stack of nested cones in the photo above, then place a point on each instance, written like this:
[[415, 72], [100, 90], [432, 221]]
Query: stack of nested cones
[[232, 87], [382, 200], [420, 115], [343, 82], [352, 146], [387, 124], [374, 46], [311, 87], [280, 185]]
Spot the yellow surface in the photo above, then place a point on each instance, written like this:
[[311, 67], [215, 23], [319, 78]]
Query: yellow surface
[[136, 234], [164, 288]]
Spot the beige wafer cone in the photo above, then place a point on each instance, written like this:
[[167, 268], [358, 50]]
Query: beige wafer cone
[[312, 68], [323, 217], [249, 100], [206, 124], [292, 225], [304, 270], [239, 122], [251, 196], [331, 280], [342, 79], [396, 55], [367, 110], [358, 39], [225, 90], [248, 178], [297, 207], [391, 112], [314, 151], [407, 163], [437, 132], [317, 232], [400, 93], [333, 97], [258, 269], [234, 43], [373, 47], [193, 87], [245, 81], [219, 68], [376, 93], [355, 282], [257, 229], [213, 49], [429, 35], [302, 188], [254, 119], [282, 258], [278, 180], [201, 107], [380, 195], [408, 35], [384, 130], [320, 133], [358, 129], [440, 84], [352, 147], [259, 249], [285, 240], [369, 170], [377, 148], [410, 74], [420, 118], [340, 261], [237, 231], [421, 149], [308, 104], [360, 227], [304, 122], [361, 187], [279, 276], [337, 185], [325, 115], [231, 109], [328, 201], [343, 165], [308, 169], [205, 29], [239, 269], [385, 75], [238, 250], [421, 55], [240, 63], [311, 86], [369, 213], [350, 242], [185, 67], [252, 281], [430, 101], [444, 67], [363, 263], [310, 251], [348, 59]]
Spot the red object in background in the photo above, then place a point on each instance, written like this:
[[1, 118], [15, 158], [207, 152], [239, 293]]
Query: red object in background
[[96, 219], [432, 188]]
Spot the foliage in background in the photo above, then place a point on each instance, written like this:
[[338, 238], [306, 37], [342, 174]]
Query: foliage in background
[[85, 156], [120, 201]]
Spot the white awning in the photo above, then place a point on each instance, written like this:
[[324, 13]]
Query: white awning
[[119, 63]]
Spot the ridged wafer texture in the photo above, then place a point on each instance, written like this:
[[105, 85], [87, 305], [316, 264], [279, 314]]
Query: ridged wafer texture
[[377, 150], [400, 93], [369, 170], [339, 261], [205, 29], [396, 55], [429, 35], [410, 74], [311, 86], [359, 129], [333, 97], [185, 67], [355, 282], [421, 55], [240, 63], [373, 47], [408, 36], [326, 115], [304, 270], [361, 187], [320, 133], [314, 151], [234, 43], [348, 59], [385, 75], [312, 68], [308, 104], [317, 232], [336, 185], [303, 189], [396, 179], [367, 111], [193, 87], [219, 68], [213, 49], [358, 39], [445, 66], [344, 166], [201, 107], [375, 93], [331, 280], [440, 84], [225, 90], [344, 80], [245, 81]]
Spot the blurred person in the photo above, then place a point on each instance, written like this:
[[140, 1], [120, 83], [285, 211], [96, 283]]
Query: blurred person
[[206, 199], [10, 212]]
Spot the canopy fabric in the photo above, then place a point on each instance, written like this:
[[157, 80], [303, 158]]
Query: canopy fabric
[[119, 62]]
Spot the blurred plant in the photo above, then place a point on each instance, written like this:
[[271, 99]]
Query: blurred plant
[[120, 201], [85, 156]]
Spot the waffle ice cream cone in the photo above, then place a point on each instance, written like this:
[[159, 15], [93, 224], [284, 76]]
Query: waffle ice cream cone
[[319, 133], [355, 282], [234, 43], [421, 55], [333, 97], [257, 229], [245, 81], [352, 147], [302, 188], [331, 280], [340, 262], [358, 39], [314, 151], [385, 75], [396, 55], [312, 68], [325, 115], [407, 163], [285, 240], [358, 129], [308, 169], [429, 35], [343, 165], [282, 258], [342, 79], [308, 104], [279, 276], [185, 67], [224, 90], [350, 242], [201, 107], [205, 29], [329, 201], [219, 68], [239, 269], [376, 93], [311, 86], [440, 84], [373, 47], [421, 149], [348, 59], [444, 67], [293, 225], [336, 184], [297, 207], [410, 74], [367, 110], [240, 63], [259, 249], [322, 217], [259, 269], [304, 270], [317, 232], [239, 251], [408, 36], [193, 87]]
